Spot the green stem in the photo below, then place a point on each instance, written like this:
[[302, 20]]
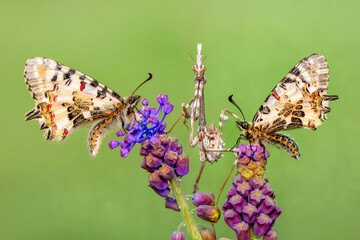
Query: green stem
[[253, 235], [184, 208]]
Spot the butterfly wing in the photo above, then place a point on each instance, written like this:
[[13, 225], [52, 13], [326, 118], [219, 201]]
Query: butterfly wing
[[65, 99], [299, 100]]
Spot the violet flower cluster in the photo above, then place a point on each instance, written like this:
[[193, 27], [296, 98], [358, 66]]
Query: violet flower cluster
[[250, 204], [163, 156]]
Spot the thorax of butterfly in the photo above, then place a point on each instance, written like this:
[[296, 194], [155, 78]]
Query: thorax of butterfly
[[299, 100], [66, 99]]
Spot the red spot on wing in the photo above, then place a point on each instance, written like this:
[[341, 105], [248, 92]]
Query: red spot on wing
[[54, 98], [275, 95], [48, 106], [65, 132], [82, 86], [312, 95], [54, 126], [52, 115]]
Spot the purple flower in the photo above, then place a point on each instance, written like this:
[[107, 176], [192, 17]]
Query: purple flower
[[182, 165], [275, 213], [249, 213], [168, 107], [208, 213], [237, 202], [244, 189], [231, 218], [267, 205], [171, 158], [148, 123], [271, 235], [262, 224], [203, 199], [145, 102], [161, 193], [250, 200], [113, 144], [163, 155], [166, 171], [242, 231], [255, 197], [161, 99], [207, 234], [152, 161], [172, 204], [156, 181], [178, 236]]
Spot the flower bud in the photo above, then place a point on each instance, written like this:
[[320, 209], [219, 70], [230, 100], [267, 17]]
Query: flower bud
[[145, 102], [232, 191], [255, 197], [238, 202], [161, 193], [146, 167], [249, 213], [155, 142], [267, 190], [257, 182], [170, 158], [166, 171], [182, 165], [178, 236], [152, 161], [162, 99], [145, 144], [207, 234], [208, 213], [242, 231], [159, 152], [271, 235], [179, 149], [113, 144], [262, 224], [144, 152], [172, 145], [164, 139], [172, 204], [168, 107], [244, 189], [156, 181], [267, 205], [275, 213], [124, 152], [203, 199], [231, 218]]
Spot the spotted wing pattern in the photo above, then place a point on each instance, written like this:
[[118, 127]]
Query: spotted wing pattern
[[66, 99], [299, 100]]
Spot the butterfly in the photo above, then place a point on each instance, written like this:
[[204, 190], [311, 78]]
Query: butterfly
[[299, 100], [66, 99]]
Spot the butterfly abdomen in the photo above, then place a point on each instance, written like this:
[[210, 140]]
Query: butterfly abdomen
[[285, 143], [97, 133]]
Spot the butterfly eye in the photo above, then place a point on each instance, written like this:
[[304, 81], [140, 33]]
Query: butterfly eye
[[133, 99], [244, 125]]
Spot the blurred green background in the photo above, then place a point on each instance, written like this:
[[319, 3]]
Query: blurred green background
[[57, 191]]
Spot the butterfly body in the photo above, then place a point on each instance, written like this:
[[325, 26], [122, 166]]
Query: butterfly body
[[66, 99], [299, 100]]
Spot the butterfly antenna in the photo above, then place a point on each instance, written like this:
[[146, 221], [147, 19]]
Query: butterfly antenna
[[192, 57], [148, 79], [234, 103]]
